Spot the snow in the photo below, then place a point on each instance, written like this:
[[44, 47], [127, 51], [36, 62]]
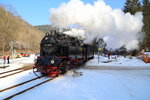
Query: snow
[[10, 81], [94, 81], [147, 53], [119, 61], [94, 85], [16, 63]]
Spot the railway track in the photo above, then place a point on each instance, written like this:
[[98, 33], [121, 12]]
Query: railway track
[[8, 88], [10, 71], [18, 93], [115, 68], [13, 72]]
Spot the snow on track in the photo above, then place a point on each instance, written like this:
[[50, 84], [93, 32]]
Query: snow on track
[[94, 85], [129, 80], [13, 80]]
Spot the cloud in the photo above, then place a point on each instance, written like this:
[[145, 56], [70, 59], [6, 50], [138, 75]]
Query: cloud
[[101, 21]]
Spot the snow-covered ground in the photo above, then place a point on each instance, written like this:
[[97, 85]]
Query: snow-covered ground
[[16, 63], [119, 61], [87, 83]]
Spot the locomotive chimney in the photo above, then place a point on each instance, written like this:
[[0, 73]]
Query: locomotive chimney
[[47, 33], [55, 32], [51, 32]]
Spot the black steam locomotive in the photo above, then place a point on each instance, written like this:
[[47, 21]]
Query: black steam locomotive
[[60, 52]]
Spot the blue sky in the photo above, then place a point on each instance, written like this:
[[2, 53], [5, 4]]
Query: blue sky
[[36, 12]]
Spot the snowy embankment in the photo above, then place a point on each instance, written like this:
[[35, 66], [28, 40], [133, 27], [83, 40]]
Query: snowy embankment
[[117, 62], [16, 63]]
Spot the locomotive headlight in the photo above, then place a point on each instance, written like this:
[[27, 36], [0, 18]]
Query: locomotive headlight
[[52, 61]]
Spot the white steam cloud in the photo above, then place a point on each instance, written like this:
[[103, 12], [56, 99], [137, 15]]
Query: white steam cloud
[[99, 20], [76, 32]]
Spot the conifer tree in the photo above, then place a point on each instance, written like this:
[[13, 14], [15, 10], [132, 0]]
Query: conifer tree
[[146, 21], [132, 6]]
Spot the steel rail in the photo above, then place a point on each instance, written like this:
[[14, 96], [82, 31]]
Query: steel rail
[[13, 73], [9, 97], [10, 71], [8, 88]]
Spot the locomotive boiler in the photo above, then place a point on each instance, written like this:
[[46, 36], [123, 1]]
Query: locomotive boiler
[[60, 53]]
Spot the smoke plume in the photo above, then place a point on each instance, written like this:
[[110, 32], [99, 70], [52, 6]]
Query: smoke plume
[[99, 20]]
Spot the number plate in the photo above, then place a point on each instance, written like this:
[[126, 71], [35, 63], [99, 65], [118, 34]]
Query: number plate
[[48, 45]]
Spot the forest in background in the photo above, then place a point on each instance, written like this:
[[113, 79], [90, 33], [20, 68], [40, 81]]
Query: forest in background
[[44, 28], [17, 34]]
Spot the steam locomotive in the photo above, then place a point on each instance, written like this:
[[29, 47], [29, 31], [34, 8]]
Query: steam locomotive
[[60, 53]]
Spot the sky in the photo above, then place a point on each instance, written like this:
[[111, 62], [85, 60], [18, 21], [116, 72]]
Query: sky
[[36, 12]]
